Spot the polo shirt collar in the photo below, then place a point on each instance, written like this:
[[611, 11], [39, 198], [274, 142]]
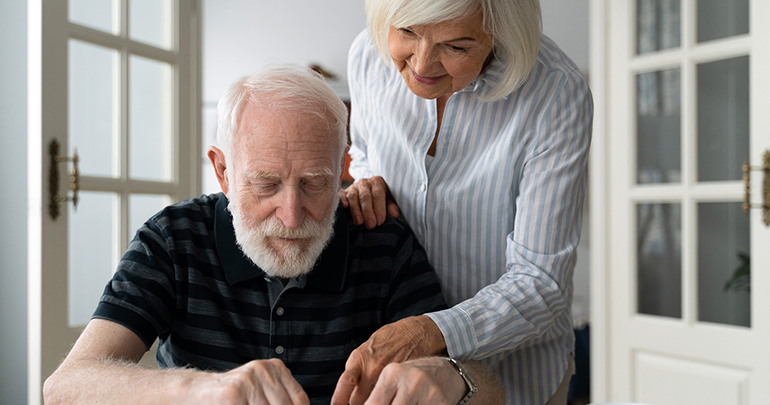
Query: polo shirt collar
[[328, 273]]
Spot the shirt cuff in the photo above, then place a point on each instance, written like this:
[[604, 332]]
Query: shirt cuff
[[457, 327]]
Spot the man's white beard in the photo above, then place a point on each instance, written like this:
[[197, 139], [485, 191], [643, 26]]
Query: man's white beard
[[280, 258]]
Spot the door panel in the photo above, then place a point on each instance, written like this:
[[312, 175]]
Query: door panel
[[91, 253], [93, 107], [662, 380]]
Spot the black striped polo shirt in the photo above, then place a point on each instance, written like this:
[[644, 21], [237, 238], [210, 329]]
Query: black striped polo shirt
[[185, 282]]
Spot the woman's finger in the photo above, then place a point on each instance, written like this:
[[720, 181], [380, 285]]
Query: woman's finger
[[343, 194], [351, 195]]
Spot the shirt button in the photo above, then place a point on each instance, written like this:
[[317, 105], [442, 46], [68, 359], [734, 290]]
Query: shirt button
[[279, 311], [423, 187], [279, 350]]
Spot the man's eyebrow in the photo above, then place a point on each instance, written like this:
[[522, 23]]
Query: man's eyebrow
[[261, 174], [325, 172]]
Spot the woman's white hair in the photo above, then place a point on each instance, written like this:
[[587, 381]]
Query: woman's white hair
[[515, 26], [281, 88]]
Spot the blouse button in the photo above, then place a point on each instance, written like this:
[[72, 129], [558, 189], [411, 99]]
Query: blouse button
[[279, 311], [279, 350]]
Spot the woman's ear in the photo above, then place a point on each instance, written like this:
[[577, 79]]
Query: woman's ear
[[217, 158]]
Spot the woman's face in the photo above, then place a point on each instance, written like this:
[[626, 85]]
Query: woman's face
[[439, 59]]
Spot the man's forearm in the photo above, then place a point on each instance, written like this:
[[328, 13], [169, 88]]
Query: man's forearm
[[93, 381], [117, 382]]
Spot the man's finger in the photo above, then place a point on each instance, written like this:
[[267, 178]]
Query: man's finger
[[295, 391], [383, 393]]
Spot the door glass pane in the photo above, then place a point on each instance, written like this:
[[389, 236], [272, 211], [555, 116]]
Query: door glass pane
[[97, 14], [723, 264], [723, 118], [658, 25], [150, 119], [658, 127], [91, 253], [720, 19], [659, 259], [150, 22], [141, 207], [93, 107]]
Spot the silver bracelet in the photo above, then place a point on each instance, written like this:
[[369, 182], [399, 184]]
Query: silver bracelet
[[472, 388]]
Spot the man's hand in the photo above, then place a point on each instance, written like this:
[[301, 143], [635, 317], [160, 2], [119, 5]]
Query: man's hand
[[429, 380], [256, 382], [409, 338], [369, 200]]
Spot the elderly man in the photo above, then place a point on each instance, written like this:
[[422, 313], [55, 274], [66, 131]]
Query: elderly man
[[258, 294]]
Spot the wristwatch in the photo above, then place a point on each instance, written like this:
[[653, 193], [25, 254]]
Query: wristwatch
[[466, 377]]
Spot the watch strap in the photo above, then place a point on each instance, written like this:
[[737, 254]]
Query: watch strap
[[472, 388]]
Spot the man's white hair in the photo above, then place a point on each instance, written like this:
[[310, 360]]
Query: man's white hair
[[281, 88]]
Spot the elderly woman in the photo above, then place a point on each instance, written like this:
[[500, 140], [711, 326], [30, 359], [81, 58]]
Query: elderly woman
[[476, 128]]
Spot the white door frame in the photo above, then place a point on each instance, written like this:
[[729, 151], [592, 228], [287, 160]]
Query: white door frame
[[598, 195]]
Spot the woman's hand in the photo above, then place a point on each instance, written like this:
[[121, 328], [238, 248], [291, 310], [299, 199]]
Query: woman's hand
[[369, 200]]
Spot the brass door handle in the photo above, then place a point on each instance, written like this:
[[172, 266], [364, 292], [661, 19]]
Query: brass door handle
[[765, 206], [53, 179]]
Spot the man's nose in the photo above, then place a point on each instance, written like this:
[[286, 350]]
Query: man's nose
[[291, 211]]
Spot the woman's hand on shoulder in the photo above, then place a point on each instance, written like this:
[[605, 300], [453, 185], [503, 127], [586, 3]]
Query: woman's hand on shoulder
[[369, 201]]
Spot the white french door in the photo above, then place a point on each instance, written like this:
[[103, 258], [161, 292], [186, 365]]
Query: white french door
[[117, 83], [684, 290]]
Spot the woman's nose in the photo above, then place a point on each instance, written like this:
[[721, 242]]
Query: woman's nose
[[422, 60]]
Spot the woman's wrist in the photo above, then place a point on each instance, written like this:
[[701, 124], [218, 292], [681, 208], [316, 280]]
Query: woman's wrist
[[433, 342]]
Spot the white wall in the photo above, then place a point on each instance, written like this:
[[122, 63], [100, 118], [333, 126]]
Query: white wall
[[566, 22], [13, 215], [239, 35]]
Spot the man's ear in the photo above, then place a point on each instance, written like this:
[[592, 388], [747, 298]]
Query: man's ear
[[217, 158], [342, 164]]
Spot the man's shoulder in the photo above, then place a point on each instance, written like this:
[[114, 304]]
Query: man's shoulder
[[392, 228], [197, 209], [184, 219]]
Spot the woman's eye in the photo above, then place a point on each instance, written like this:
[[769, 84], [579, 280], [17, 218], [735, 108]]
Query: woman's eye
[[406, 31], [456, 48]]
